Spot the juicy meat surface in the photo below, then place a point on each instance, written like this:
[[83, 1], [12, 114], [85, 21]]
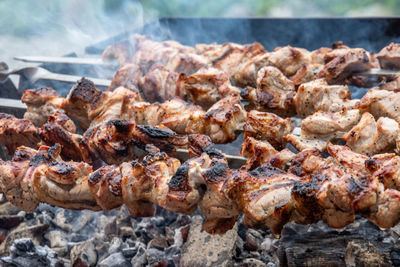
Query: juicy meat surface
[[128, 76], [343, 66], [319, 96], [221, 121], [41, 103], [16, 132], [207, 86], [329, 126], [389, 56], [160, 84], [267, 126], [381, 103], [289, 59], [372, 137], [274, 90]]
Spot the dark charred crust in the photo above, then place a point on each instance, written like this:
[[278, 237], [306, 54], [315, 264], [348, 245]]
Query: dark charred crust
[[216, 172], [22, 155], [179, 182], [114, 183], [214, 153], [86, 91], [371, 164], [122, 126], [265, 171], [95, 177], [38, 159], [155, 132], [307, 188], [153, 158], [136, 164], [61, 168], [355, 186]]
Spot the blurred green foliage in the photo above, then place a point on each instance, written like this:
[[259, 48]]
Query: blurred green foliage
[[28, 17]]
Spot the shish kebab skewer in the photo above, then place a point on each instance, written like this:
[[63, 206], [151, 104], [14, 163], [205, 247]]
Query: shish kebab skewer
[[99, 61], [90, 107], [271, 190], [111, 142]]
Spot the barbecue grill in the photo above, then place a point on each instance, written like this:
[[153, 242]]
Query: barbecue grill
[[369, 33]]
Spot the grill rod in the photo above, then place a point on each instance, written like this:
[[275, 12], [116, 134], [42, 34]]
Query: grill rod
[[99, 61]]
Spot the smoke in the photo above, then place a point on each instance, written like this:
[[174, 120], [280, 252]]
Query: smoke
[[59, 27]]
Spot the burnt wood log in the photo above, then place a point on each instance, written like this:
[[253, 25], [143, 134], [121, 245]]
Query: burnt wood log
[[359, 244]]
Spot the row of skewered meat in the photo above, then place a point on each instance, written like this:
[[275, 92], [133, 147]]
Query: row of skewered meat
[[274, 187]]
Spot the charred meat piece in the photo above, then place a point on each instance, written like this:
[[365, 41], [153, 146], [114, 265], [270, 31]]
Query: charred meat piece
[[160, 84], [262, 152], [238, 63], [207, 86], [17, 132], [84, 102], [381, 103], [128, 76], [114, 141], [221, 121], [343, 66], [389, 56], [274, 90], [319, 96], [329, 126], [371, 137], [289, 59], [267, 126], [41, 103]]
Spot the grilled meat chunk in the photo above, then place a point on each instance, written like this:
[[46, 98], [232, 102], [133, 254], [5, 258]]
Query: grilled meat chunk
[[267, 126], [371, 137], [262, 152], [342, 66], [381, 103], [17, 132], [238, 63], [319, 96], [329, 126], [207, 86], [304, 142], [314, 188], [160, 84], [274, 90], [289, 59], [128, 76], [41, 103], [389, 56], [221, 121]]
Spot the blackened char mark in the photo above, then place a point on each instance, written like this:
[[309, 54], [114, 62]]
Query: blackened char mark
[[216, 172], [62, 168], [86, 91], [265, 171], [22, 155], [306, 189], [122, 126], [179, 182], [155, 132], [38, 159], [213, 153]]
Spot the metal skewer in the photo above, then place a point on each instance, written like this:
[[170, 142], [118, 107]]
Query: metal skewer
[[99, 61], [65, 60]]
